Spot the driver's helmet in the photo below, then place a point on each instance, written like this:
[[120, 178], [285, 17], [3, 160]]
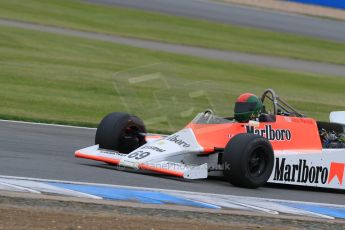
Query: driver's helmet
[[247, 106]]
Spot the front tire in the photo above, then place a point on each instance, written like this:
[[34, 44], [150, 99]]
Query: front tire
[[120, 132], [248, 160]]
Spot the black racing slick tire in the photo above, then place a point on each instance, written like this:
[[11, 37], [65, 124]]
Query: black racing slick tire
[[120, 132], [248, 160]]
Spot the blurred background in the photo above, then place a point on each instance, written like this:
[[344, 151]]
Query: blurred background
[[72, 62]]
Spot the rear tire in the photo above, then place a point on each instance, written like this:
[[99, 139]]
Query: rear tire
[[120, 132], [248, 160]]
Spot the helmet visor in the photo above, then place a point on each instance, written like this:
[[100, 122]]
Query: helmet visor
[[245, 107]]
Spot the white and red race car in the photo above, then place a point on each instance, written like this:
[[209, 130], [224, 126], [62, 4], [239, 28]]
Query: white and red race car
[[282, 147]]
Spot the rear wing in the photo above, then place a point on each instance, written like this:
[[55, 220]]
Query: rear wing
[[337, 117]]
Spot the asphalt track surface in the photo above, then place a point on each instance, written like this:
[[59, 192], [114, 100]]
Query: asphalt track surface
[[231, 56], [47, 152], [241, 15]]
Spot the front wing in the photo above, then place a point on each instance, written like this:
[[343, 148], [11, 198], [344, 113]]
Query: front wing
[[160, 166]]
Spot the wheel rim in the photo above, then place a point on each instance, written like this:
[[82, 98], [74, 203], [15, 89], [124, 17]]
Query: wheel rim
[[130, 139], [258, 162]]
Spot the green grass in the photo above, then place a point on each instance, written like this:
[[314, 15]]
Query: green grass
[[154, 26], [61, 79]]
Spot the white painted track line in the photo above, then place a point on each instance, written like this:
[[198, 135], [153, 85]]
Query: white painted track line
[[46, 124]]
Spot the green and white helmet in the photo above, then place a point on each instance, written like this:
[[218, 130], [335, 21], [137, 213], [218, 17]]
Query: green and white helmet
[[247, 106]]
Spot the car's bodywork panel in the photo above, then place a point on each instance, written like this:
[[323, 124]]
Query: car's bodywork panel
[[284, 134]]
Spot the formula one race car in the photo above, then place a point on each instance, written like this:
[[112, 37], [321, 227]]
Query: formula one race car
[[277, 146]]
